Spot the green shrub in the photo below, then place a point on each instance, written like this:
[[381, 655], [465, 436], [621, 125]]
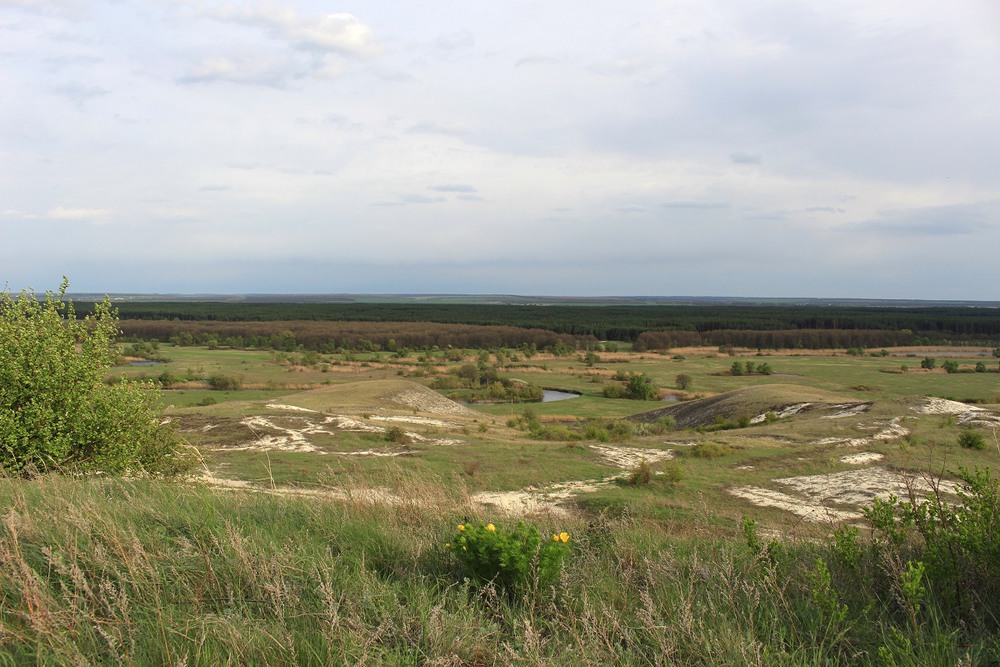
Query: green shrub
[[515, 560], [614, 391], [969, 439], [641, 388], [956, 546], [641, 475], [396, 435], [55, 409], [222, 382]]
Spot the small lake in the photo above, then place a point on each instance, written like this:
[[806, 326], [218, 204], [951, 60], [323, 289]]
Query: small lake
[[551, 395], [145, 363]]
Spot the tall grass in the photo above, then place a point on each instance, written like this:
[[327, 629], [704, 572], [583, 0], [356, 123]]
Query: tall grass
[[142, 572]]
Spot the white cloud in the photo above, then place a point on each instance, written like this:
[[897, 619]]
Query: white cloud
[[96, 216], [339, 33]]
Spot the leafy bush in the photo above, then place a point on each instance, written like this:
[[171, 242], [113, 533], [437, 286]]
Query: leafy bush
[[222, 382], [969, 439], [514, 560], [56, 411], [683, 381], [958, 544], [641, 475], [614, 391], [397, 435], [641, 388]]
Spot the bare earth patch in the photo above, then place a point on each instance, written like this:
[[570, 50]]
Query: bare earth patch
[[291, 408], [286, 440], [552, 498], [839, 496], [964, 414], [426, 421], [630, 457], [861, 458], [848, 410], [890, 430], [429, 401]]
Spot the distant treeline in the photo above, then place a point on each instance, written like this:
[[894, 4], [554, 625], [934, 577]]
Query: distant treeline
[[809, 339], [804, 326], [353, 336]]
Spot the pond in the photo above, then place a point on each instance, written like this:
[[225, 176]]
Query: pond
[[144, 362], [551, 395]]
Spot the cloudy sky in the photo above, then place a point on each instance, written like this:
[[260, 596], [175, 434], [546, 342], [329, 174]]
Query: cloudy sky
[[565, 147]]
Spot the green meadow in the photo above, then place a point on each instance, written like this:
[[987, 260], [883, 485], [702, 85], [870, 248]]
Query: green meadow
[[730, 523]]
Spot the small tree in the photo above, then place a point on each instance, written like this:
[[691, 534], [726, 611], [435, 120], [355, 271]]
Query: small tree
[[736, 368], [683, 381], [56, 410], [641, 388], [929, 363]]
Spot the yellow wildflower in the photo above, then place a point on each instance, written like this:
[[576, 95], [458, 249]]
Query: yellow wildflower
[[555, 538], [564, 537], [490, 527], [448, 546], [461, 527]]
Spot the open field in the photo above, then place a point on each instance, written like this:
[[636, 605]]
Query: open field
[[319, 526], [322, 423]]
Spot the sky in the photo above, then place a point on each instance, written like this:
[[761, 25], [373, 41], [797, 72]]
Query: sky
[[773, 148]]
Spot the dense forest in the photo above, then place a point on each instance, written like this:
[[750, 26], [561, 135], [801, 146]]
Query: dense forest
[[651, 326]]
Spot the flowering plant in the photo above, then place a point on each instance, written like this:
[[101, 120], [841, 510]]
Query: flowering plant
[[511, 558]]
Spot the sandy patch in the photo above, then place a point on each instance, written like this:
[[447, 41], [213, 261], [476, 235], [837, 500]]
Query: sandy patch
[[861, 458], [965, 415], [549, 499], [291, 408], [848, 410], [787, 411], [272, 435], [838, 496], [349, 424], [942, 406], [891, 430], [783, 501], [288, 440], [425, 421], [628, 458], [428, 401], [552, 499]]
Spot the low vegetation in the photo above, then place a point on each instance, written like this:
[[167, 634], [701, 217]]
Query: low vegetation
[[838, 510]]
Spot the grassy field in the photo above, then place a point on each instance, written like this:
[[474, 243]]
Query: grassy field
[[314, 530]]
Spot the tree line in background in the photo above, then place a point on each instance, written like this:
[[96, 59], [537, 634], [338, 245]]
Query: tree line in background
[[747, 326], [330, 337]]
